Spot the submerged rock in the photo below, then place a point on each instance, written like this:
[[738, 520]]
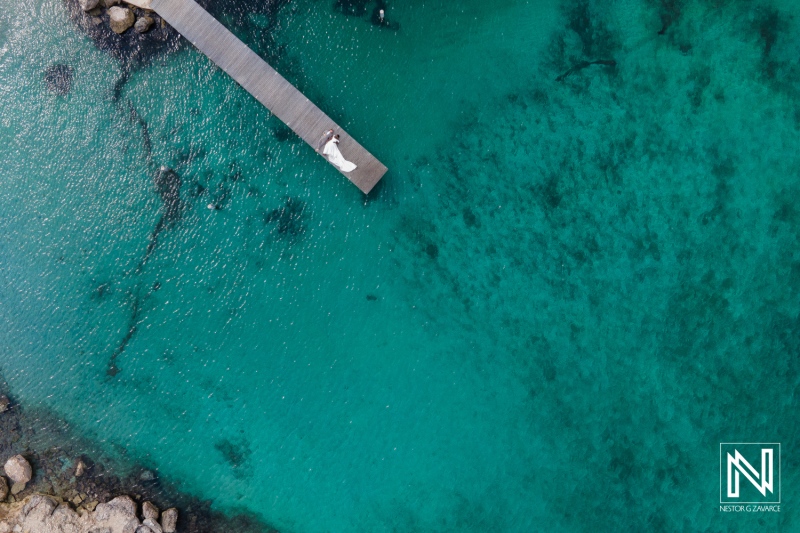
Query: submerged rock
[[58, 78], [288, 219], [18, 469], [80, 468], [88, 5], [121, 18], [169, 520], [143, 24]]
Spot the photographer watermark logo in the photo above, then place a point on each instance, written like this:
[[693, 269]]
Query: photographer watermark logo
[[750, 473]]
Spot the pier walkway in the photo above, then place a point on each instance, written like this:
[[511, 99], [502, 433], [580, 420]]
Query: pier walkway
[[230, 54]]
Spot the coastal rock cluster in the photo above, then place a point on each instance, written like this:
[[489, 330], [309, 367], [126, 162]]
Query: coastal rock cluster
[[80, 492], [121, 17], [40, 513], [129, 31]]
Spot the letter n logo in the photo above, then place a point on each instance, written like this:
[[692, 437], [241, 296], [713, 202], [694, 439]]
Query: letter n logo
[[749, 472]]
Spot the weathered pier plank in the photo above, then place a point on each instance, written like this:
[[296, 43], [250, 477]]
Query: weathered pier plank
[[230, 54]]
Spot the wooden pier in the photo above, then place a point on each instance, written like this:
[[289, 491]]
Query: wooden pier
[[230, 54]]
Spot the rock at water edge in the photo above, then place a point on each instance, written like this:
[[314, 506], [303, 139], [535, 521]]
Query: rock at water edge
[[88, 5], [150, 511], [121, 18], [169, 520], [143, 24], [153, 525], [18, 469]]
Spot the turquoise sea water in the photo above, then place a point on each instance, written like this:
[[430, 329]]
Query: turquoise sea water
[[563, 296]]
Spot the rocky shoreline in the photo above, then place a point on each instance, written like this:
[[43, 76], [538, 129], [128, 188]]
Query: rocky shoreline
[[44, 513], [40, 513], [54, 481]]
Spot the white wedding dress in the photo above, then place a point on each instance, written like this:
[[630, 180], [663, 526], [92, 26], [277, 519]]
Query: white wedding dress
[[331, 151]]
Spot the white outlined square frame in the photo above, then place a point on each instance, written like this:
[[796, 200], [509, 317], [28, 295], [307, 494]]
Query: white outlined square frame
[[721, 470]]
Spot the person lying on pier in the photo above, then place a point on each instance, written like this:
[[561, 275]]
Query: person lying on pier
[[331, 151]]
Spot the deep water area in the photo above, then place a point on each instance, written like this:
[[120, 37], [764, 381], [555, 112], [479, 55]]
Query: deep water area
[[580, 275]]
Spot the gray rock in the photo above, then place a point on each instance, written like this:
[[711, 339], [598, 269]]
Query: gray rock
[[147, 475], [125, 504], [150, 511], [153, 525], [41, 504], [169, 520], [18, 469], [4, 403], [88, 5], [3, 488], [143, 24], [144, 529], [110, 3], [120, 18], [122, 508]]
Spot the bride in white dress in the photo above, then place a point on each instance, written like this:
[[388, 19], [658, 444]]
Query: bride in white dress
[[331, 151]]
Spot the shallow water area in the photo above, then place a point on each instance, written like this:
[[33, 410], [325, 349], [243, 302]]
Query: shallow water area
[[582, 259]]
